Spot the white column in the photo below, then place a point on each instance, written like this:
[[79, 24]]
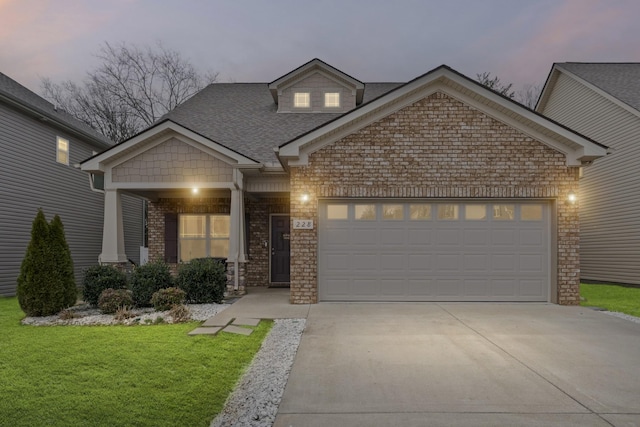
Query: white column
[[236, 233], [113, 229]]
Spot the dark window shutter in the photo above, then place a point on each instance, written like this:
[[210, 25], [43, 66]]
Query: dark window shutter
[[171, 237]]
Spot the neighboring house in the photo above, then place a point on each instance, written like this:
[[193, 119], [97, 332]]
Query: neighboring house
[[40, 147], [602, 101], [438, 189]]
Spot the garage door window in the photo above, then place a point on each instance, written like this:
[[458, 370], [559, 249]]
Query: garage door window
[[475, 212], [392, 212], [448, 212], [531, 213], [365, 212], [420, 212], [336, 212], [504, 212]]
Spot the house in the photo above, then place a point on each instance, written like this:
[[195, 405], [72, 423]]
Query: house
[[602, 101], [437, 189], [39, 149]]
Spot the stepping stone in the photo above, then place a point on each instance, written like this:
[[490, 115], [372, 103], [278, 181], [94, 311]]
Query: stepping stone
[[246, 321], [237, 330], [205, 331], [222, 322]]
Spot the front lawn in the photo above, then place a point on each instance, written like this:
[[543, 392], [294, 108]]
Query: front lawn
[[612, 297], [116, 375]]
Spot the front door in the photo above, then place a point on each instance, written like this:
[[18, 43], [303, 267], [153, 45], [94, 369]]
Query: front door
[[280, 229]]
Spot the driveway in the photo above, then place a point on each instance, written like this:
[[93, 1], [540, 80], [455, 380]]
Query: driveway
[[456, 364]]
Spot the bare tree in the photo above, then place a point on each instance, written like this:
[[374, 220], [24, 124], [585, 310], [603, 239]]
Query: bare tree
[[529, 95], [495, 84], [131, 89]]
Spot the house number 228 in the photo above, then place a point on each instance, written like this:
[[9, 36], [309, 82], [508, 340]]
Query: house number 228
[[303, 224]]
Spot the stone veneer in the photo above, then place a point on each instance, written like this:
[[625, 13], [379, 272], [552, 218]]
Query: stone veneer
[[435, 148]]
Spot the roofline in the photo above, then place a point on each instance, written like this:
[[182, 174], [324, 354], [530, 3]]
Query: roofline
[[48, 117], [306, 64]]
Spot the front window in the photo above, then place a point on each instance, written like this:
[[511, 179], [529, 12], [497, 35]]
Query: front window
[[332, 99], [204, 236], [301, 100], [62, 155]]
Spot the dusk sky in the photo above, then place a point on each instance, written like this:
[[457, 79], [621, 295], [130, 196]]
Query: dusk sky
[[372, 40]]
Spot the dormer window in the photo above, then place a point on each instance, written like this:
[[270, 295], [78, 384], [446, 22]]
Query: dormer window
[[301, 100], [332, 99]]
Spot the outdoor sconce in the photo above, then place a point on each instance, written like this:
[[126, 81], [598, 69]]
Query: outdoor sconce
[[195, 190], [572, 198], [304, 198]]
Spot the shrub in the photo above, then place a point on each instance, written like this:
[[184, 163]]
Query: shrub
[[97, 279], [203, 279], [148, 279], [46, 284], [180, 313], [111, 300], [166, 298], [123, 313]]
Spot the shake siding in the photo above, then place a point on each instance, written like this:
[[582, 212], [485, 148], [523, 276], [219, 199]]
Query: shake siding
[[610, 188], [30, 178]]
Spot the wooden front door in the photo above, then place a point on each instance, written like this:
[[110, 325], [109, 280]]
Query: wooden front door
[[280, 252]]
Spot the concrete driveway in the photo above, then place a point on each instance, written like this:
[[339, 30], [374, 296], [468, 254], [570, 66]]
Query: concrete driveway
[[457, 364]]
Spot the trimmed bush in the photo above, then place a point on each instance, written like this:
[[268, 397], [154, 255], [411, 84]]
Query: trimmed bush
[[148, 279], [165, 299], [112, 300], [97, 279], [203, 279], [46, 284]]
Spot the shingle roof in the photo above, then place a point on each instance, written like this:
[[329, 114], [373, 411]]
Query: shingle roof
[[244, 118], [20, 95], [620, 80]]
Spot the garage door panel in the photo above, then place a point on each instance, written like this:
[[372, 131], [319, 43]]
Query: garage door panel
[[452, 257]]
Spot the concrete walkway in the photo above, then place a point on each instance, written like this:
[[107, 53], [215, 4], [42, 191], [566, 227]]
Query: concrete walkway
[[480, 364]]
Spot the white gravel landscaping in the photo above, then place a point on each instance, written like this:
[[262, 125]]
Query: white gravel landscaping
[[623, 316]]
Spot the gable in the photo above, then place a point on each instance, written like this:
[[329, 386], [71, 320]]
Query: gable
[[576, 148], [173, 161], [317, 83]]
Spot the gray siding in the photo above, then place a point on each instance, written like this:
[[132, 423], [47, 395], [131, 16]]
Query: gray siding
[[30, 178], [610, 188]]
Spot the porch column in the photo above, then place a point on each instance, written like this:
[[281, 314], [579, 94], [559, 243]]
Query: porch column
[[113, 229], [237, 251]]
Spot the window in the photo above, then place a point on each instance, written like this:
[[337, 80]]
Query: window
[[420, 212], [503, 212], [337, 212], [301, 100], [475, 212], [203, 236], [62, 155], [392, 212], [365, 212], [531, 212], [332, 99], [448, 212]]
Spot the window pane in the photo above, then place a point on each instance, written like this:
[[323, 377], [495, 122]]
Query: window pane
[[190, 249], [62, 151], [531, 212], [448, 212], [475, 212], [392, 212], [365, 212], [219, 225], [193, 226], [420, 212], [301, 99], [332, 99], [220, 248], [503, 212], [337, 212]]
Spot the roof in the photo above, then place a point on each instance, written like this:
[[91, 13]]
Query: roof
[[19, 96], [244, 118], [619, 79]]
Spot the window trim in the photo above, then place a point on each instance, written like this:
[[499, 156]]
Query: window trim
[[59, 150]]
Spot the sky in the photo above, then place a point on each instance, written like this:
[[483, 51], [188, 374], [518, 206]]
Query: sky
[[371, 40]]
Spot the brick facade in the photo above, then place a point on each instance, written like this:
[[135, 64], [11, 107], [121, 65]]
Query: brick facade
[[435, 148]]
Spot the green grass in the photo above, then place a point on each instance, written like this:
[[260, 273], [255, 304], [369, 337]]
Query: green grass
[[116, 375], [612, 297]]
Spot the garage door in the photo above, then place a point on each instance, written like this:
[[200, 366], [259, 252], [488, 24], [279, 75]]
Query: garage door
[[433, 251]]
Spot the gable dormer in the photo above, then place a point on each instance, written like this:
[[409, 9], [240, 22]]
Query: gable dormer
[[316, 87]]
